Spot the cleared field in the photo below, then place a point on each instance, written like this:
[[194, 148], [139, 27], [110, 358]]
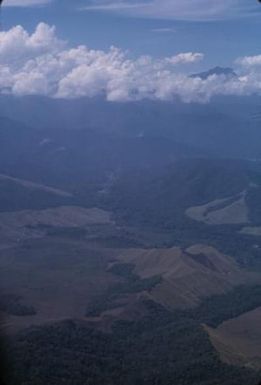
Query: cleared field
[[238, 340], [58, 277], [25, 224], [220, 212], [188, 276]]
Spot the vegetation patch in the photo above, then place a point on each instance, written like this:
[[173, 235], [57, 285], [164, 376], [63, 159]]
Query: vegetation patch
[[219, 308], [131, 284], [159, 349], [12, 305]]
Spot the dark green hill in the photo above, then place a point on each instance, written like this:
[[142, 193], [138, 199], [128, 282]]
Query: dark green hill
[[225, 127], [160, 198]]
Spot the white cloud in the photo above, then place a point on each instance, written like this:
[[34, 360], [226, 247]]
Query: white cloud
[[25, 3], [39, 63], [177, 9], [187, 57], [17, 46], [250, 61]]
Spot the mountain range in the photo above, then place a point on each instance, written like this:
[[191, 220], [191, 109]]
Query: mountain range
[[130, 241]]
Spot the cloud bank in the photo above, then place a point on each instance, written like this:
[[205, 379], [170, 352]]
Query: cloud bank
[[41, 64]]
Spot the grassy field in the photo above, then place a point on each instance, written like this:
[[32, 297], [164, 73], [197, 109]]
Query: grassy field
[[57, 276], [18, 226], [221, 212], [188, 275], [61, 274], [239, 340], [73, 263]]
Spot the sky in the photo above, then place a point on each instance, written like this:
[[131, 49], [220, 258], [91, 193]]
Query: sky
[[160, 40], [221, 29]]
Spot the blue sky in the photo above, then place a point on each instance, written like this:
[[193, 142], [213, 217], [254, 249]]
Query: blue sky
[[222, 30]]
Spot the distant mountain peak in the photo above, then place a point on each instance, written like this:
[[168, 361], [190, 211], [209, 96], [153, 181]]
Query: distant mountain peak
[[227, 71]]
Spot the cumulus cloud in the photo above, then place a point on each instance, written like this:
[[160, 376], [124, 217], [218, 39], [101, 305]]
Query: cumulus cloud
[[250, 61], [40, 63], [17, 46], [187, 57]]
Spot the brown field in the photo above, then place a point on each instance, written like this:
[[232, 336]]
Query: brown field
[[189, 276], [59, 277], [211, 214], [26, 224], [238, 340]]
